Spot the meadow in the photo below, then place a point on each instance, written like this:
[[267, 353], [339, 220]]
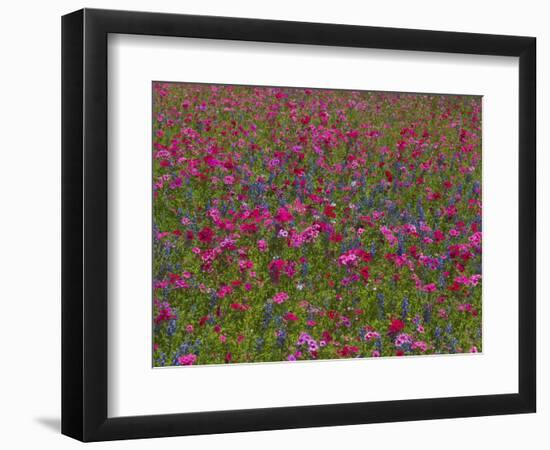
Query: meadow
[[295, 224]]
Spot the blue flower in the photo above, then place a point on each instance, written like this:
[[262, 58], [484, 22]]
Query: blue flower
[[172, 327], [404, 308], [381, 306]]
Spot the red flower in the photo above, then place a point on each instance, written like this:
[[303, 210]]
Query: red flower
[[327, 336], [239, 307], [329, 211], [206, 235], [249, 228], [335, 237], [348, 350], [290, 316], [454, 287], [365, 273], [396, 326], [389, 176], [365, 256]]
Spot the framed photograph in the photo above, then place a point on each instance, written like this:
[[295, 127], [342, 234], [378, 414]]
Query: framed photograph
[[273, 225]]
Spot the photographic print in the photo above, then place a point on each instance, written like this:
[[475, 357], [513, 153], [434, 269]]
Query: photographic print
[[299, 224]]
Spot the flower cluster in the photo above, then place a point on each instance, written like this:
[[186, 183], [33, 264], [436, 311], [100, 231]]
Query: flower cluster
[[297, 224]]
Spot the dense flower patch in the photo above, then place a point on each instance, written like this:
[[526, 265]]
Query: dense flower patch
[[299, 224]]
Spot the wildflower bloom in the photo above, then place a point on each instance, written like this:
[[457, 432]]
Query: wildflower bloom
[[396, 325], [419, 345], [280, 297], [206, 235], [229, 179], [402, 339], [283, 215], [291, 317], [262, 245], [370, 335], [187, 360]]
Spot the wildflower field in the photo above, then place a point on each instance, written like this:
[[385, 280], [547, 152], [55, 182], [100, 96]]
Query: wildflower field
[[296, 224]]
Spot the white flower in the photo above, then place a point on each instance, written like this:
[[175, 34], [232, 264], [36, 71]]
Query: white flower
[[283, 233]]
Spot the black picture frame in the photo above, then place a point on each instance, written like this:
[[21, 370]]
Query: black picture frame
[[84, 224]]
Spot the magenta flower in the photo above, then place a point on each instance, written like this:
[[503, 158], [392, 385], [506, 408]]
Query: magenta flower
[[280, 297], [283, 215], [431, 287], [187, 360], [262, 245]]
